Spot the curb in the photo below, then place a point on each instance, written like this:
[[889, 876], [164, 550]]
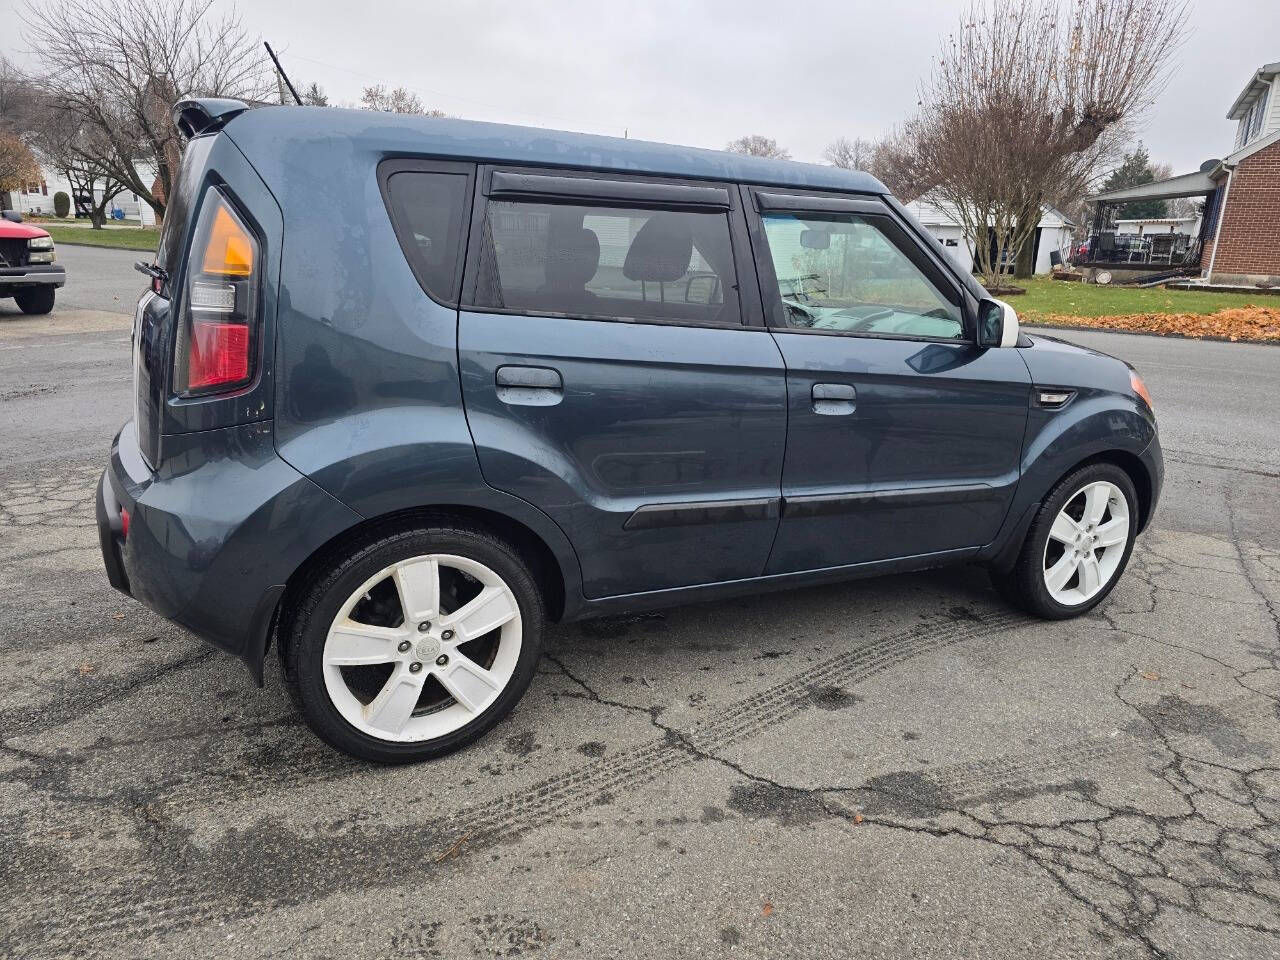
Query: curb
[[1151, 333], [104, 246]]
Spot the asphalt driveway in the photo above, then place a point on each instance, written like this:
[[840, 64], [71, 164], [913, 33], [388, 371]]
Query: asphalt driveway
[[895, 767]]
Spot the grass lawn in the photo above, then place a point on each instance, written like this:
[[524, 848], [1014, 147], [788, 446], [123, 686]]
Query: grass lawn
[[131, 238], [1045, 297]]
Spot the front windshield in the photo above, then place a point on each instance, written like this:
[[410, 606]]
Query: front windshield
[[840, 272]]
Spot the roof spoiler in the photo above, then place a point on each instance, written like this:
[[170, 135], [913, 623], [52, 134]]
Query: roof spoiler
[[205, 114]]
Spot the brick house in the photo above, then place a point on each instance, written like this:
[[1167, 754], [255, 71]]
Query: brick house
[[1239, 240]]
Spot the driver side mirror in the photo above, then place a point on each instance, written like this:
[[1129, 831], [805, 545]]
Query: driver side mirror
[[997, 324]]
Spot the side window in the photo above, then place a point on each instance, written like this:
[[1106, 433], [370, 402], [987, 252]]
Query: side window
[[610, 262], [428, 210], [840, 272]]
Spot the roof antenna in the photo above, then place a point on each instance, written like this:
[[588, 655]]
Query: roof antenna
[[280, 70]]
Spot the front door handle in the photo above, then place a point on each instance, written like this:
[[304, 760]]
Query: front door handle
[[834, 399], [529, 386]]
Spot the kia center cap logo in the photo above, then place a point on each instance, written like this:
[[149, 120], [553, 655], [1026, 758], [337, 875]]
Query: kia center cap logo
[[428, 648]]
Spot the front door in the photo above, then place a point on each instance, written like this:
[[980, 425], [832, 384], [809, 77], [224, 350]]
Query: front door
[[905, 437], [609, 377]]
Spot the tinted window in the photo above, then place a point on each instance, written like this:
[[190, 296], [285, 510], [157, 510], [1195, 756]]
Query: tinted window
[[178, 210], [427, 210], [595, 261], [840, 272]]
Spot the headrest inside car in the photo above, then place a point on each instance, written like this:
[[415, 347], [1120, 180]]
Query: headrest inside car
[[573, 258], [661, 250]]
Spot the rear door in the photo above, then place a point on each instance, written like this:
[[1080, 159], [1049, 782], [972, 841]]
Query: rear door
[[617, 375], [905, 437]]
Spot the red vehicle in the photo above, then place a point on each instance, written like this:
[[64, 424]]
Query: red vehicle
[[28, 272]]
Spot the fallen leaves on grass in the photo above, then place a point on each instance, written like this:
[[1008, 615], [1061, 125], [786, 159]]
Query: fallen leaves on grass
[[1237, 323]]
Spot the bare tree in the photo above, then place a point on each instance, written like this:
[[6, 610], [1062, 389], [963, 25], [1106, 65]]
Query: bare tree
[[18, 96], [18, 165], [1029, 100], [757, 145], [75, 149], [120, 70], [396, 100], [891, 160], [849, 154]]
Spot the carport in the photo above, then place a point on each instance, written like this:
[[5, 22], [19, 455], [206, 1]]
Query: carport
[[1131, 258]]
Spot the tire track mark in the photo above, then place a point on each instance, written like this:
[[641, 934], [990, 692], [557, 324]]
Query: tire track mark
[[196, 886]]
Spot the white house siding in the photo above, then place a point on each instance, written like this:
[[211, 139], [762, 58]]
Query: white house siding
[[942, 223], [1056, 232], [40, 201]]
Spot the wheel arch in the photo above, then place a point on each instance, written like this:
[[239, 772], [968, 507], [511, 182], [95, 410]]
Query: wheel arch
[[1009, 544], [553, 580], [1137, 471]]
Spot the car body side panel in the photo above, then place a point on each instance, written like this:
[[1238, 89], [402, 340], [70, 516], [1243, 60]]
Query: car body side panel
[[653, 420], [1102, 418], [368, 403], [927, 461]]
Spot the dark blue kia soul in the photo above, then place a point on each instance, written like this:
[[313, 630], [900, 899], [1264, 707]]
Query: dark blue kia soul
[[408, 388]]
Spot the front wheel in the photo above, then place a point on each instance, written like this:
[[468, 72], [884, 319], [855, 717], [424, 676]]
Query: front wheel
[[1078, 544], [37, 301], [415, 644]]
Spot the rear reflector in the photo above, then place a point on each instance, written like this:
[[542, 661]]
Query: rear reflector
[[219, 354], [124, 523]]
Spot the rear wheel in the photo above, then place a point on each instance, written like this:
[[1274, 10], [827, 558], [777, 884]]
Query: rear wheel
[[1078, 545], [416, 644], [39, 300]]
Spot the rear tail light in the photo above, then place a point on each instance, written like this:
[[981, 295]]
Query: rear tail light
[[218, 326]]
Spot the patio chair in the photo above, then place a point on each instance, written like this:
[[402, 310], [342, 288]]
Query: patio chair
[[1106, 247], [1137, 250], [1162, 248]]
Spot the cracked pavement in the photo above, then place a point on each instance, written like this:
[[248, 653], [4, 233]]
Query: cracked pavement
[[893, 767]]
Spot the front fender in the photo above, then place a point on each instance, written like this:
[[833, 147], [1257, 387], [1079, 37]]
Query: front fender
[[1095, 423]]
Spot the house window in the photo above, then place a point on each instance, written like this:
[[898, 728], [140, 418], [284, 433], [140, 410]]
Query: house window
[[1253, 119]]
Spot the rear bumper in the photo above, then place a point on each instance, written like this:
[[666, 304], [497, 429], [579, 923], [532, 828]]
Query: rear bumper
[[111, 535], [35, 275], [213, 535]]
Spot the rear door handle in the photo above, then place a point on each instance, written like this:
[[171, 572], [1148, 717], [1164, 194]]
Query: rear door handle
[[529, 386], [834, 399]]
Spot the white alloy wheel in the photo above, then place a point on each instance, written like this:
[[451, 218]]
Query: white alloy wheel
[[1086, 543], [422, 648]]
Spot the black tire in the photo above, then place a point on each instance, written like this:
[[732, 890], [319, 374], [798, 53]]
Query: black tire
[[320, 602], [1024, 585], [37, 301]]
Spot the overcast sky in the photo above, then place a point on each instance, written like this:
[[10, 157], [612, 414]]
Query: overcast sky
[[704, 73]]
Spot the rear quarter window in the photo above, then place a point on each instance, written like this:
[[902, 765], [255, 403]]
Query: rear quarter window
[[177, 214], [428, 210]]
